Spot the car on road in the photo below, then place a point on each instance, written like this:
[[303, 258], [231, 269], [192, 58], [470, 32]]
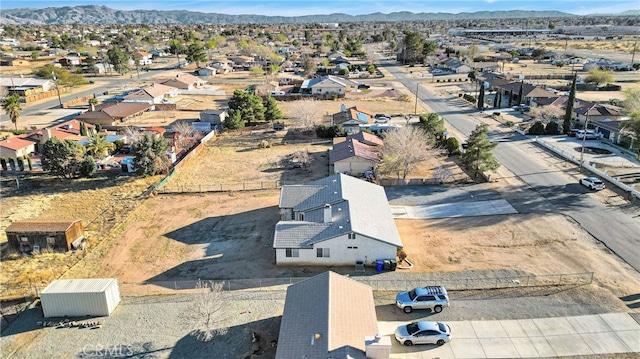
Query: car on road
[[573, 132], [423, 332], [594, 183], [433, 297]]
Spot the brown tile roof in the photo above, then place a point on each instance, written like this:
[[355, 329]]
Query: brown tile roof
[[118, 111], [351, 114], [40, 225], [320, 319], [15, 143], [350, 148], [150, 92]]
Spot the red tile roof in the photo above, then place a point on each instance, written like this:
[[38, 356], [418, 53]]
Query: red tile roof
[[16, 143]]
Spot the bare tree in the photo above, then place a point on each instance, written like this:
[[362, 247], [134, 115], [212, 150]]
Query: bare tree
[[186, 133], [208, 312], [301, 157], [546, 113], [308, 113], [133, 134], [443, 173], [403, 149]]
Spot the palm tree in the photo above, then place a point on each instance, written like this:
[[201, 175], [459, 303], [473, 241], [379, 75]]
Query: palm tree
[[98, 145], [11, 105], [92, 103]]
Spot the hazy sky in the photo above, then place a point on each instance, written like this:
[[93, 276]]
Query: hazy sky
[[351, 7]]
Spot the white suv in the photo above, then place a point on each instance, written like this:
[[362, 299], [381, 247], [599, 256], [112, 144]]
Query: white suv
[[434, 298]]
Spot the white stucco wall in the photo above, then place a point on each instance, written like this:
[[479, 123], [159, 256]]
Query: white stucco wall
[[367, 250], [354, 166]]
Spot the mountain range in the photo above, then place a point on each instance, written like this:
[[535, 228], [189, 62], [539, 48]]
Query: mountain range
[[92, 14]]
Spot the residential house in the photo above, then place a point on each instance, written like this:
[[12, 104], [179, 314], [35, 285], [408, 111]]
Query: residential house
[[14, 61], [337, 220], [29, 235], [144, 58], [456, 66], [15, 147], [352, 157], [215, 117], [328, 316], [330, 85], [206, 71], [26, 85], [351, 119], [185, 81], [485, 66], [614, 131], [242, 62], [69, 61], [595, 111], [221, 68], [153, 94], [530, 93], [115, 114]]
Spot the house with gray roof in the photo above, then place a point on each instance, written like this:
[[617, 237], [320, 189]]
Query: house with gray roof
[[321, 321], [337, 220]]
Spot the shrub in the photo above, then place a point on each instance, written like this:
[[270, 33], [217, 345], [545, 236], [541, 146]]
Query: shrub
[[496, 114], [552, 128], [509, 123], [452, 145], [401, 255], [3, 163], [537, 129], [265, 144]]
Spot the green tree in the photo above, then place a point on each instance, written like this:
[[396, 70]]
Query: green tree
[[599, 76], [195, 53], [234, 120], [272, 112], [568, 115], [537, 129], [452, 145], [98, 146], [479, 153], [88, 167], [521, 93], [83, 129], [11, 106], [412, 49], [150, 156], [631, 105], [249, 105], [433, 125], [551, 128], [62, 158], [481, 97], [3, 163], [118, 59], [256, 71], [176, 48]]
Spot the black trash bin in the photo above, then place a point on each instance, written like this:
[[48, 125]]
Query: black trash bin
[[387, 264], [393, 264]]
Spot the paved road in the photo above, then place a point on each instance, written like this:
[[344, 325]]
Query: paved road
[[550, 190]]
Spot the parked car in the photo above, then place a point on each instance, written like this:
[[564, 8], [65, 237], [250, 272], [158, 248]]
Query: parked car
[[573, 132], [423, 332], [434, 298], [589, 135], [594, 183]]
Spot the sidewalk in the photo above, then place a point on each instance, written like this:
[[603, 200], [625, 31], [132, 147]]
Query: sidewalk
[[529, 338]]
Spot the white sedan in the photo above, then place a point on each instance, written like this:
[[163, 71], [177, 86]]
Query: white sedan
[[423, 332], [592, 182]]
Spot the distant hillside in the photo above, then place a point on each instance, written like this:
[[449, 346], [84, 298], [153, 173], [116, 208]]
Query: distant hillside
[[91, 14]]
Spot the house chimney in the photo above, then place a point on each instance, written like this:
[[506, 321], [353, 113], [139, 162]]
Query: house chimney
[[327, 213], [46, 135]]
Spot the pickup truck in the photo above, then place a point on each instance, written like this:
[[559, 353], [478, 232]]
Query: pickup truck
[[433, 297]]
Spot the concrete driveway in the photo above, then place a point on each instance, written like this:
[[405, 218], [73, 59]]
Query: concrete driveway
[[528, 338], [448, 210]]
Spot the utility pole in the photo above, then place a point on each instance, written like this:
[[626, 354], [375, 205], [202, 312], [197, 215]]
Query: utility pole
[[633, 55], [55, 79], [415, 109], [584, 137]]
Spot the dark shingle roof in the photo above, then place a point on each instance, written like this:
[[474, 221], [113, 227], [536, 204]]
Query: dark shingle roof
[[40, 225]]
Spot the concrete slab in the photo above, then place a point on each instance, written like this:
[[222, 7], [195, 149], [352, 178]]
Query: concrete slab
[[513, 329], [462, 330], [571, 344], [606, 343], [499, 348], [543, 347], [451, 210], [554, 326], [588, 324], [530, 327], [467, 348], [525, 348], [631, 338], [620, 321], [488, 329]]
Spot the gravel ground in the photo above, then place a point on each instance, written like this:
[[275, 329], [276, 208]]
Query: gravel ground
[[150, 326]]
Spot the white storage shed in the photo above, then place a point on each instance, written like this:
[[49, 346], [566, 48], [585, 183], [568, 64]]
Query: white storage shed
[[80, 297]]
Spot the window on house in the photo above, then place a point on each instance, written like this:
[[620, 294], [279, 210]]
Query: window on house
[[322, 252], [293, 215], [350, 247], [352, 235], [292, 252], [24, 239], [302, 216], [51, 240]]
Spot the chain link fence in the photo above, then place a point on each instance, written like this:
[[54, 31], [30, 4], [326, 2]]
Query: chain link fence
[[222, 187]]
